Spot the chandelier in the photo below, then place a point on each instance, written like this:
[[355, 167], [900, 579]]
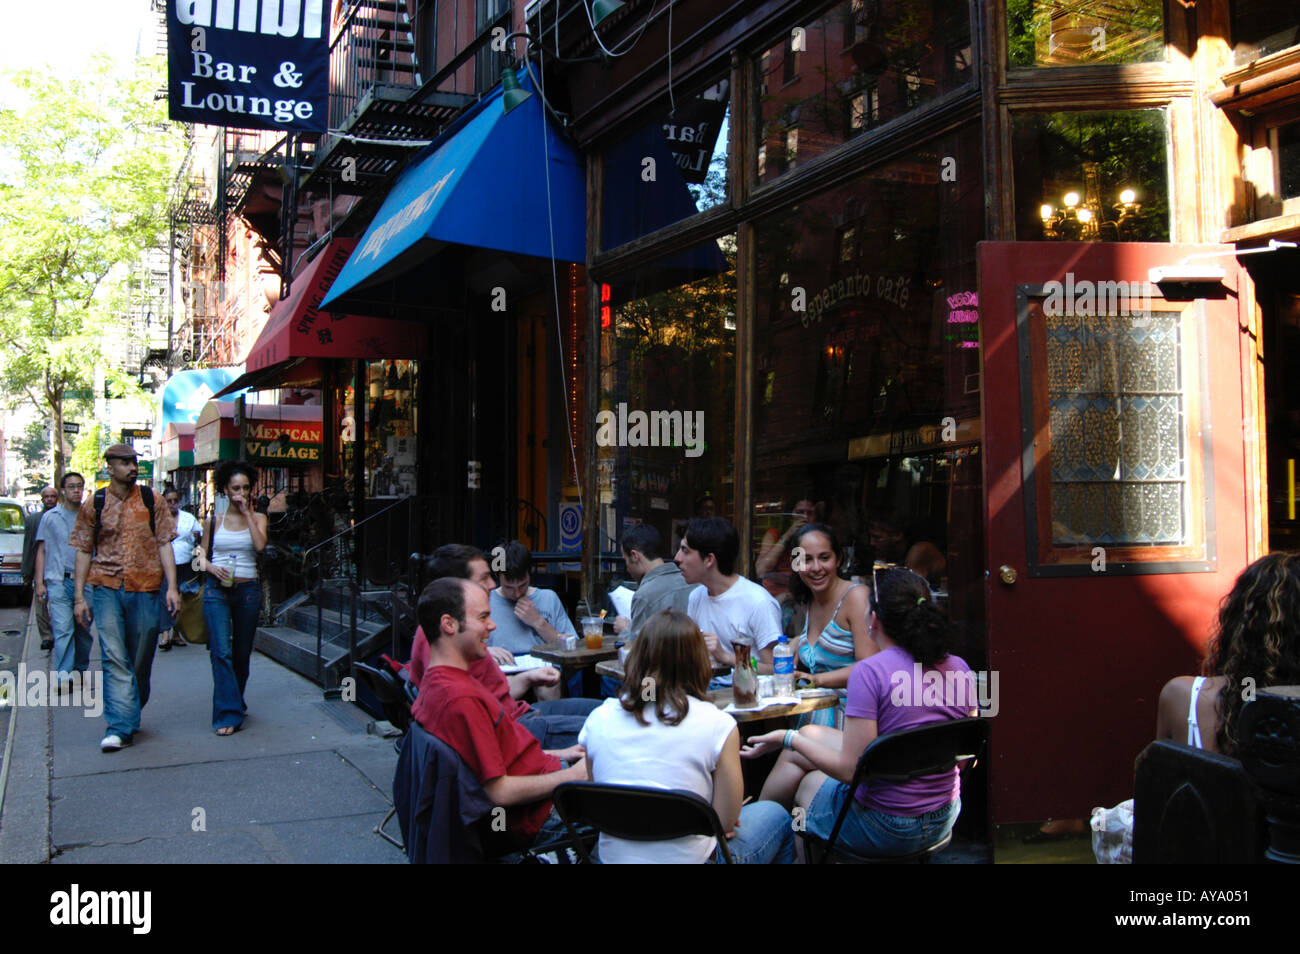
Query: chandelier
[[1083, 218]]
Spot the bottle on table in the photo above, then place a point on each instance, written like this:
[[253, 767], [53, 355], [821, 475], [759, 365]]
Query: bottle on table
[[783, 668]]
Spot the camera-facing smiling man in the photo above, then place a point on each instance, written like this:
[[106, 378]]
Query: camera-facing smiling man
[[124, 552]]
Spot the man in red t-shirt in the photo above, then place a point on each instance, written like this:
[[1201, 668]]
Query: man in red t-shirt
[[504, 756], [557, 722]]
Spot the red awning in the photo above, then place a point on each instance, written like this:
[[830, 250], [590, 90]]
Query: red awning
[[295, 373], [297, 328]]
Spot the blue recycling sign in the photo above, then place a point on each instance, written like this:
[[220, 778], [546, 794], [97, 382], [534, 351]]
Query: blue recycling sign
[[249, 64]]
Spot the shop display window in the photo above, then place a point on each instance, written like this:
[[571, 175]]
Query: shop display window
[[1084, 32], [1092, 176], [866, 374], [857, 66], [390, 407], [666, 419], [671, 168]]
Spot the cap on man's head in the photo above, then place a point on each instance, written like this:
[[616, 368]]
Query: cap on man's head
[[119, 450]]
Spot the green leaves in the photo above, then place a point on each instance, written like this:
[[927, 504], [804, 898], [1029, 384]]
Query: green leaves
[[85, 167]]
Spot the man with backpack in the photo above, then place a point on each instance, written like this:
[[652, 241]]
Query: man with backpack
[[123, 540]]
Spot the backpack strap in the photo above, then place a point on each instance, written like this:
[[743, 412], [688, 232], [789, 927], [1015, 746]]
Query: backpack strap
[[100, 494], [146, 496]]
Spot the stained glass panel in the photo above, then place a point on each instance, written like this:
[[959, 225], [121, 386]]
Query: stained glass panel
[[1115, 418]]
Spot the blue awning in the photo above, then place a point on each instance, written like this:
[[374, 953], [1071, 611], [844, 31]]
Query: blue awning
[[483, 183]]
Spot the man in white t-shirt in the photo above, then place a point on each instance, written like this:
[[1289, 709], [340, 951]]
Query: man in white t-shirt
[[727, 605]]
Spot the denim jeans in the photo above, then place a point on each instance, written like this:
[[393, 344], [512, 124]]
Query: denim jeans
[[127, 624], [230, 614], [765, 836], [72, 641], [557, 722], [873, 832]]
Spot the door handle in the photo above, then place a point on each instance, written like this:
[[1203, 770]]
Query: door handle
[[1007, 574]]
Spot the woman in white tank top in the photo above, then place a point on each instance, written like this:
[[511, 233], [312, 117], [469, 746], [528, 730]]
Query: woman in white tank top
[[232, 598], [1256, 643]]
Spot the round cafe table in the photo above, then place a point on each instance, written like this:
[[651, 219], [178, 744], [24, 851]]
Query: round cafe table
[[722, 698]]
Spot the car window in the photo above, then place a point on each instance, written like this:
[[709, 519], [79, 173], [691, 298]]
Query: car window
[[11, 518]]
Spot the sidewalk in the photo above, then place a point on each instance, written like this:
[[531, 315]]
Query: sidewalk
[[302, 781]]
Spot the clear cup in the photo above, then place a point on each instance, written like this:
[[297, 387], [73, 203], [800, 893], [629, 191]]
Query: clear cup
[[593, 630]]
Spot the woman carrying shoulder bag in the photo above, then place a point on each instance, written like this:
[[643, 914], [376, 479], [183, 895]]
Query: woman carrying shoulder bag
[[232, 598]]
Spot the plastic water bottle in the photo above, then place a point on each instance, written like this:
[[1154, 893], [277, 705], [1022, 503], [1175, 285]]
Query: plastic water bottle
[[783, 668]]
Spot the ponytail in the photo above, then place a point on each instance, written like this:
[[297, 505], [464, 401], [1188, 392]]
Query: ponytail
[[910, 616]]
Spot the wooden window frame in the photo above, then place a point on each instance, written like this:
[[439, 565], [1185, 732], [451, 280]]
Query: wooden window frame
[[1046, 559]]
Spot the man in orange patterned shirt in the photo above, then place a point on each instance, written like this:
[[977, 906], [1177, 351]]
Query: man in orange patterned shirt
[[125, 573]]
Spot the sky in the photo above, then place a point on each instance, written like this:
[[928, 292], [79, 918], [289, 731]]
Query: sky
[[84, 27]]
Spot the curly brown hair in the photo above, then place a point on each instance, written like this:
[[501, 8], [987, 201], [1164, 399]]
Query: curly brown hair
[[1256, 637], [669, 659]]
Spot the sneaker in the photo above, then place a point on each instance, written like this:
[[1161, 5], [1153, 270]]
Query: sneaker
[[112, 742]]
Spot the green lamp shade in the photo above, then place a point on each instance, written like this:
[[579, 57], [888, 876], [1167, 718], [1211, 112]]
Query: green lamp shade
[[512, 95], [603, 8]]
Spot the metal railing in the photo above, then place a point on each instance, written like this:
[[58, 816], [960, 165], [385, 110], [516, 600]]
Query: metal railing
[[372, 46]]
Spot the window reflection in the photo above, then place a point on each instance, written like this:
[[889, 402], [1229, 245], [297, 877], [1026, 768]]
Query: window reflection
[[1089, 177], [866, 374], [670, 169], [1084, 32], [861, 64], [667, 393]]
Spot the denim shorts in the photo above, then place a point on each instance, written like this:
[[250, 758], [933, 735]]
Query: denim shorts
[[873, 832]]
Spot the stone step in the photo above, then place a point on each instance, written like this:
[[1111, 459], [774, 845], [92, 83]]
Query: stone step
[[296, 649]]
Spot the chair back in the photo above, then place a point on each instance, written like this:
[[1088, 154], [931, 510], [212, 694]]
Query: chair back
[[1194, 807], [930, 749], [387, 688], [637, 813]]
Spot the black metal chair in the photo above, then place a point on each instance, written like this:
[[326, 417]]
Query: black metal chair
[[901, 757], [635, 813], [396, 706]]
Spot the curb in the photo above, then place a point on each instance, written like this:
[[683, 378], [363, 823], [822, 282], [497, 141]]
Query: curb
[[25, 777]]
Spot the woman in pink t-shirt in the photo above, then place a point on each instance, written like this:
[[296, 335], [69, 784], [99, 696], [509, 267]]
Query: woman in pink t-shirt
[[884, 695]]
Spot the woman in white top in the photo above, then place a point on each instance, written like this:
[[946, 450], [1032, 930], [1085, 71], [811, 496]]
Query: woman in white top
[[232, 598], [663, 732]]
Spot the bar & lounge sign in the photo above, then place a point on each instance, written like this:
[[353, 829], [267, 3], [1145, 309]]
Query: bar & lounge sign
[[248, 64]]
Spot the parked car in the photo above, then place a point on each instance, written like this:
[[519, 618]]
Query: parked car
[[12, 526]]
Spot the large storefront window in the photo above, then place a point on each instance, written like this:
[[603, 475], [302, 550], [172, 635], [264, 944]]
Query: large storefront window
[[667, 393], [673, 167], [866, 374], [1084, 32], [1092, 177], [856, 67]]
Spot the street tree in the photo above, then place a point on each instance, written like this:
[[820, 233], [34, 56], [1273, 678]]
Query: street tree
[[85, 164]]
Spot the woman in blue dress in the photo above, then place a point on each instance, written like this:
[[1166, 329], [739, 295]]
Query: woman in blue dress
[[835, 633]]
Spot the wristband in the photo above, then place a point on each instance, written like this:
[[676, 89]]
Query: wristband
[[788, 741]]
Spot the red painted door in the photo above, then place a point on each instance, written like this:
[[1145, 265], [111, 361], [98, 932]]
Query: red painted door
[[1117, 496]]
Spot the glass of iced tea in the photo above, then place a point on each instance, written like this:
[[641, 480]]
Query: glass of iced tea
[[744, 675], [593, 630]]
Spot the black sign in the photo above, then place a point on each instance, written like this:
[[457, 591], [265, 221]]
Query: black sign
[[133, 432], [71, 427], [249, 64], [692, 131]]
